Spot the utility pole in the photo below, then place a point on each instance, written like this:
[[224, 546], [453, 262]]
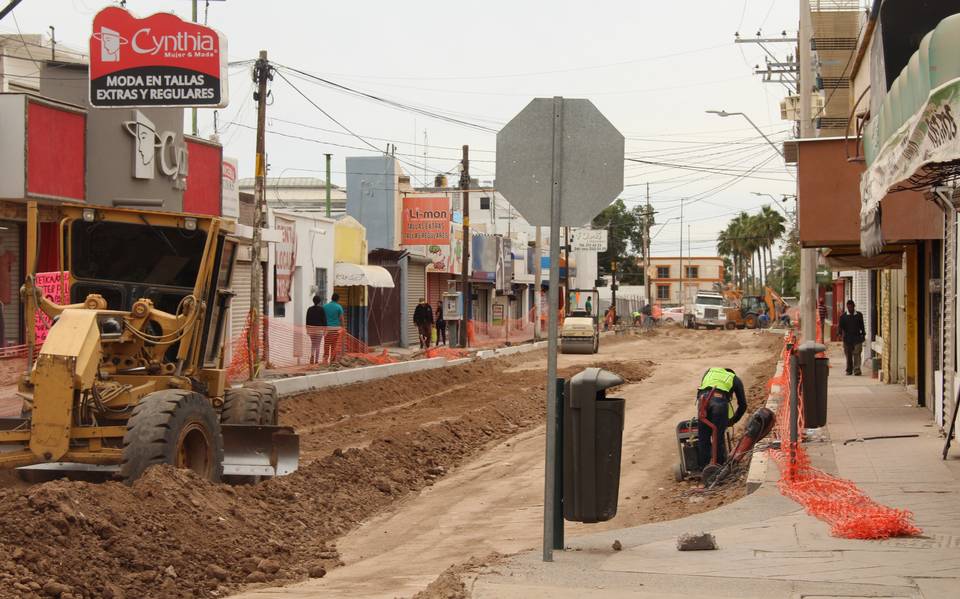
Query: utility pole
[[53, 43], [613, 289], [647, 223], [193, 111], [262, 73], [808, 257], [465, 266], [681, 254], [538, 281], [327, 156]]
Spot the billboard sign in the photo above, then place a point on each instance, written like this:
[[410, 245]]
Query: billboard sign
[[589, 240], [426, 221], [160, 60]]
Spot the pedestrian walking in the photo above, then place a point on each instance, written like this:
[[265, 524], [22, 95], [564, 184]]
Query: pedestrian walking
[[423, 318], [441, 325], [331, 343], [853, 334], [316, 321]]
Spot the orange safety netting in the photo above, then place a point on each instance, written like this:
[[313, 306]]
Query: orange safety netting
[[850, 513], [292, 348], [449, 353]]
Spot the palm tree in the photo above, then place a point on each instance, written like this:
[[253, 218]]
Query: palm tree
[[773, 226]]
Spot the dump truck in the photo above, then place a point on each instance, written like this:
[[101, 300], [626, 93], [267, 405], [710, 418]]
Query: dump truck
[[580, 333], [131, 373]]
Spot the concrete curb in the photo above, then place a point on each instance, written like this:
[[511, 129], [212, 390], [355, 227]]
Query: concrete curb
[[757, 474], [310, 382]]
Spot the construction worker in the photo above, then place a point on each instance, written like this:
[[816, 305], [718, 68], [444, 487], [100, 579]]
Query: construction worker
[[715, 412]]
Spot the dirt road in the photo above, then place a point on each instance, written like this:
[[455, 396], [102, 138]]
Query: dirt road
[[419, 471], [494, 503]]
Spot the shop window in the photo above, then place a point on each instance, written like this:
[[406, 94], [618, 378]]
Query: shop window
[[663, 272], [663, 292], [484, 202], [321, 283]]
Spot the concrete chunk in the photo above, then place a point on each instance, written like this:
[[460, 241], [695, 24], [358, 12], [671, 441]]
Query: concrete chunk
[[696, 542]]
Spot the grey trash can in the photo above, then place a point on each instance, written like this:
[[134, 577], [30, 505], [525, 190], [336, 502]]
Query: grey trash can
[[592, 442]]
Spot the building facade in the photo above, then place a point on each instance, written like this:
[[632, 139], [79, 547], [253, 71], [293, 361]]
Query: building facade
[[675, 281]]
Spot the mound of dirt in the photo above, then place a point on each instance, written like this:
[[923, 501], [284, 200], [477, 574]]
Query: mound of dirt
[[451, 583], [172, 534]]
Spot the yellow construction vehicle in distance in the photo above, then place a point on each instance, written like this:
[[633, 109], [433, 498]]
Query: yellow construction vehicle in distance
[[743, 311], [131, 372]]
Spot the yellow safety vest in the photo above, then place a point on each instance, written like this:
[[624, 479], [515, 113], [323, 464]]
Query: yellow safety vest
[[720, 379]]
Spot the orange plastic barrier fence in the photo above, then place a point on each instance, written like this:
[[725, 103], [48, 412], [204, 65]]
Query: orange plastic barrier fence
[[850, 513], [296, 347]]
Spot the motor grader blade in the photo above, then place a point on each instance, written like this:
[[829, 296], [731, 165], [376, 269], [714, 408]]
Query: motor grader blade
[[252, 450]]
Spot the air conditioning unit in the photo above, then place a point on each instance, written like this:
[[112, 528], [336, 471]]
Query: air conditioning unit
[[790, 107]]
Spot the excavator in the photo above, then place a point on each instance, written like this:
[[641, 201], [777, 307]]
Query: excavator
[[744, 310], [131, 373]]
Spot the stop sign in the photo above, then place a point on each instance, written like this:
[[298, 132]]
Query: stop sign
[[590, 161]]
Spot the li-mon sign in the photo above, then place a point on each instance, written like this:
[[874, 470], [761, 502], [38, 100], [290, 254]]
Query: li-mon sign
[[426, 221], [157, 61]]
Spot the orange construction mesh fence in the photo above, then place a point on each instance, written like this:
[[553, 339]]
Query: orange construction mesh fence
[[850, 513], [293, 348]]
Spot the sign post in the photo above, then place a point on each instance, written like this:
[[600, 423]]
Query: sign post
[[559, 163]]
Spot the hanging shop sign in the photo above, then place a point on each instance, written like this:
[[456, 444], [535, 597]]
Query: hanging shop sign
[[426, 221], [286, 259], [160, 60], [230, 196]]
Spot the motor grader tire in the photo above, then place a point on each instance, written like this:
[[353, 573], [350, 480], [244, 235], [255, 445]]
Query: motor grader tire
[[269, 416], [730, 326], [242, 406], [174, 427]]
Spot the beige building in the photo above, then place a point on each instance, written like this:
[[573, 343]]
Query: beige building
[[667, 277]]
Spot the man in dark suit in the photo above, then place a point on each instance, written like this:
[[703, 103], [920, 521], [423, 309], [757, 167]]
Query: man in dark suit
[[853, 334]]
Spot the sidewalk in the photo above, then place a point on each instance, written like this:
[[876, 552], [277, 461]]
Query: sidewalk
[[769, 548]]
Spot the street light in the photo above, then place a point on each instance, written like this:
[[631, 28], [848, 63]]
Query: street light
[[724, 113], [775, 200]]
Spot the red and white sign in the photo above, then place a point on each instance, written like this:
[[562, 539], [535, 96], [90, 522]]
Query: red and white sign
[[157, 61], [286, 259], [426, 221], [51, 285]]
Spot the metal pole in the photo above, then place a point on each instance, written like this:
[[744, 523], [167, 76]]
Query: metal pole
[[261, 75], [558, 540], [194, 110], [647, 222], [538, 282], [549, 491], [794, 409], [328, 183], [681, 256], [465, 266]]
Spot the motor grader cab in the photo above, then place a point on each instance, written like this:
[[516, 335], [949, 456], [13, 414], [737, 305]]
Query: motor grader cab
[[131, 372], [580, 333]]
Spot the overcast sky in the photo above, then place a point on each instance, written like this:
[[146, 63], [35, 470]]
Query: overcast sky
[[652, 68]]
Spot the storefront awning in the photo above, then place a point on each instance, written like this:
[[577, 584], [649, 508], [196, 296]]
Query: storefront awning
[[364, 275]]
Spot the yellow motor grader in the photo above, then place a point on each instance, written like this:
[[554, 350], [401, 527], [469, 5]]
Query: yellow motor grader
[[131, 372]]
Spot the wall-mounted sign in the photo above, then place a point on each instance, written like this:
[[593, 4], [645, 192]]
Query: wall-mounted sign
[[426, 221], [286, 259], [157, 61], [153, 150], [230, 202], [589, 240], [54, 288]]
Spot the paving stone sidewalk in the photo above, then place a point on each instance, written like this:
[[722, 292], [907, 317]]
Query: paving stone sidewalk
[[769, 547]]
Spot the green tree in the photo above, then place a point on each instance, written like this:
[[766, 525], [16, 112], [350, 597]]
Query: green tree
[[624, 239]]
